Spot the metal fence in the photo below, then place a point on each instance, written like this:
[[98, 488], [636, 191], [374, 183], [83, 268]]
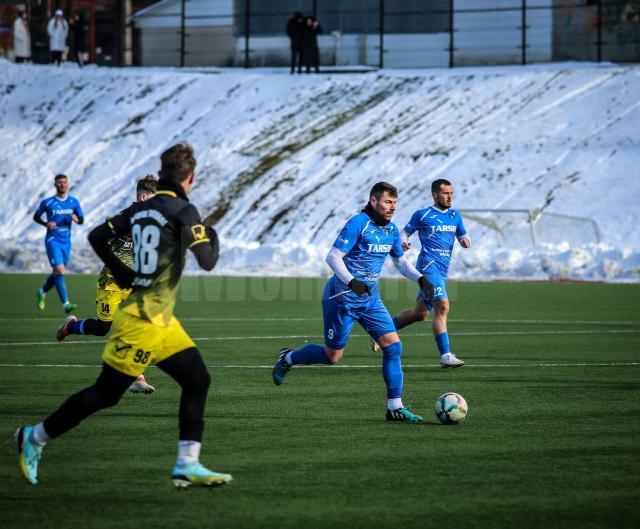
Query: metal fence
[[393, 33]]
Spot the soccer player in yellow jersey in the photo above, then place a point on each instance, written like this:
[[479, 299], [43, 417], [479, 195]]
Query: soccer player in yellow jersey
[[109, 295], [144, 330]]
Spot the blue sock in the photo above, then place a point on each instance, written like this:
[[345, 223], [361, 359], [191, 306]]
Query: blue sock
[[312, 353], [77, 327], [49, 283], [397, 324], [442, 341], [392, 370], [61, 288]]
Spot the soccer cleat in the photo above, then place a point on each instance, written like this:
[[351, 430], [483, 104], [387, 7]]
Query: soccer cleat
[[29, 454], [69, 307], [140, 385], [281, 368], [403, 415], [41, 299], [374, 346], [63, 330], [196, 475], [450, 360]]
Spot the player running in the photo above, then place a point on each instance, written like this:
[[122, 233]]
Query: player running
[[61, 211], [438, 227], [351, 296], [108, 294], [145, 330]]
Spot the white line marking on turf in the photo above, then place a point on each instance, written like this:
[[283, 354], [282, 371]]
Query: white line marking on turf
[[377, 366], [304, 336], [451, 320]]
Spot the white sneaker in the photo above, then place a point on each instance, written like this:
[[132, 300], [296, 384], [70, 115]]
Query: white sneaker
[[374, 346], [450, 360], [140, 386]]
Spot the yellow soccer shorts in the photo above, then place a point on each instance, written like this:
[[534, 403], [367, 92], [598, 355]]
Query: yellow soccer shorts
[[136, 343], [108, 300]]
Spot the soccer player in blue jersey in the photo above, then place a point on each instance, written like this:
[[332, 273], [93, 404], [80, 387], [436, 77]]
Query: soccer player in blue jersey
[[351, 296], [61, 211], [438, 227]]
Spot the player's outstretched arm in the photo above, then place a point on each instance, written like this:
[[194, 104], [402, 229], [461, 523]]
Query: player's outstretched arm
[[206, 249], [99, 240], [38, 219]]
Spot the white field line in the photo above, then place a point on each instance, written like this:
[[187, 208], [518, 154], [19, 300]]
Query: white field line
[[451, 320], [376, 366], [304, 336]]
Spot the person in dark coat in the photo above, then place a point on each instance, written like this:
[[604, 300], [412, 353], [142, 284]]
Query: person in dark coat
[[295, 30], [310, 50], [79, 28]]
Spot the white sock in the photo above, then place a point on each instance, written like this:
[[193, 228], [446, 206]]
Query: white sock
[[287, 357], [39, 435], [188, 452], [394, 404]]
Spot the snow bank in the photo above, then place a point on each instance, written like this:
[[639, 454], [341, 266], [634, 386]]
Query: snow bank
[[283, 161]]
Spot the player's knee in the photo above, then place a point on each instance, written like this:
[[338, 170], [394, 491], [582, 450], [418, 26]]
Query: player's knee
[[393, 351], [334, 355], [421, 315], [105, 396], [102, 327]]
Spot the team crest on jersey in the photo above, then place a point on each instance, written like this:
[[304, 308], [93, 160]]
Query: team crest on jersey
[[452, 214], [199, 232]]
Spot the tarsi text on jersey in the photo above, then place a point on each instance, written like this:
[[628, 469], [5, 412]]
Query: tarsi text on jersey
[[438, 231], [366, 246]]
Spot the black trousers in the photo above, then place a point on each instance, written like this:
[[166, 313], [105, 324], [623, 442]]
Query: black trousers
[[296, 58], [56, 56], [186, 367]]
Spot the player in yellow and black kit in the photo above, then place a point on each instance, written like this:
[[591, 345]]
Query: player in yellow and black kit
[[145, 330], [109, 295]]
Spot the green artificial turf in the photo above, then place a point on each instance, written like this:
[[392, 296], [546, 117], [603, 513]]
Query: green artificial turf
[[551, 440]]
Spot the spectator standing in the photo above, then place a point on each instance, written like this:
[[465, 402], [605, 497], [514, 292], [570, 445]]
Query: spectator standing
[[58, 30], [21, 38], [295, 30], [310, 50], [79, 28]]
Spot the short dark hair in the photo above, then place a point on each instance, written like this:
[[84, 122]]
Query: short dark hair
[[378, 190], [60, 177], [177, 162], [436, 184], [148, 184]]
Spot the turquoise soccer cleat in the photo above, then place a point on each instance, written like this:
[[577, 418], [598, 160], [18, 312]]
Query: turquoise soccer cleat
[[281, 368], [196, 475], [29, 454], [403, 415], [41, 299]]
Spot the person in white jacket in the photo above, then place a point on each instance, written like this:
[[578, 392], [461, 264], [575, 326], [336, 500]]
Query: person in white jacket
[[58, 29], [21, 38]]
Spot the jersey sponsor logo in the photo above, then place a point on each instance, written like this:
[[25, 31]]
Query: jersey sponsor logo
[[149, 214], [379, 248], [62, 212], [443, 228]]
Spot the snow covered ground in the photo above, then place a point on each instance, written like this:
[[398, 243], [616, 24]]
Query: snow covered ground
[[283, 161]]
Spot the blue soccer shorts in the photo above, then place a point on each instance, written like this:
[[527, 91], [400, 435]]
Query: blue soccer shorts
[[58, 253], [340, 316], [439, 284]]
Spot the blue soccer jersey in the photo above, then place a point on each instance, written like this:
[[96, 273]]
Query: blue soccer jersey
[[366, 246], [60, 211], [438, 231]]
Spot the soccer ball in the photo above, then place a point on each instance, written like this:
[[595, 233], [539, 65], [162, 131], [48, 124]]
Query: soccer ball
[[451, 408]]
